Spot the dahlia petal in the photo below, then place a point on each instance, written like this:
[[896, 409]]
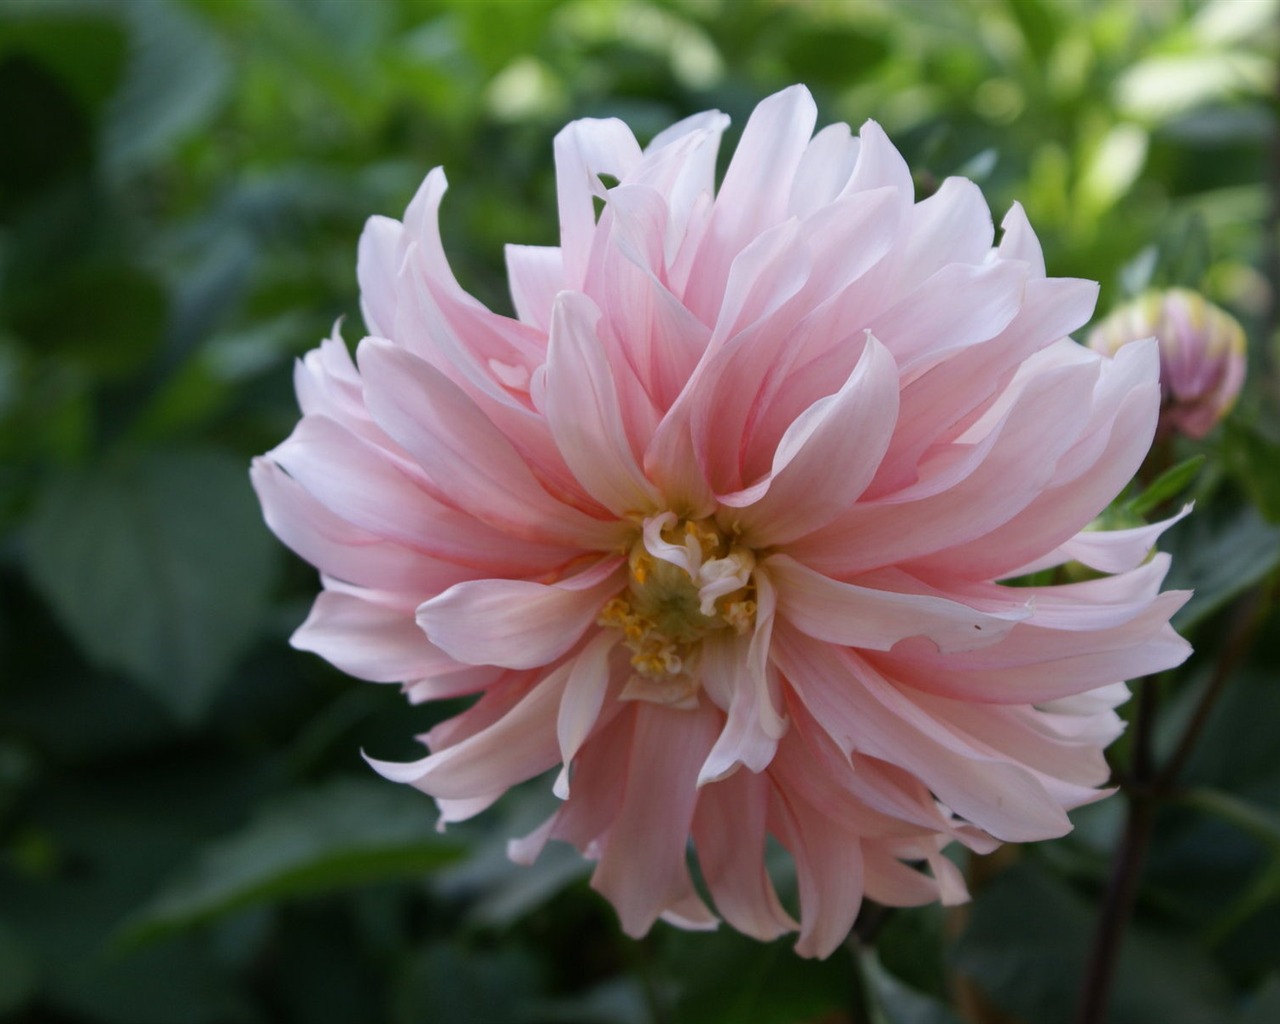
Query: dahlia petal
[[829, 872], [463, 453], [379, 255], [1019, 241], [536, 274], [583, 697], [849, 429], [337, 548], [869, 715], [368, 640], [729, 834], [866, 797], [890, 882], [642, 869], [1097, 604], [975, 302], [941, 403], [518, 746], [1106, 550], [363, 486], [754, 193], [424, 250], [517, 623], [824, 170], [879, 165], [583, 413], [1113, 454], [1033, 665], [743, 742], [876, 619], [974, 488], [691, 914], [583, 151], [763, 276]]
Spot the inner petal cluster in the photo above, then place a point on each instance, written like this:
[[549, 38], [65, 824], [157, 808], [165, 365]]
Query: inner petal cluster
[[687, 579]]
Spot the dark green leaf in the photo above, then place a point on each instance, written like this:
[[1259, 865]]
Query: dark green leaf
[[345, 834], [159, 567], [1263, 1008], [17, 971], [1260, 822], [1219, 554], [177, 983], [175, 79], [1254, 461], [447, 983], [1026, 946], [900, 1003], [1167, 486], [725, 978]]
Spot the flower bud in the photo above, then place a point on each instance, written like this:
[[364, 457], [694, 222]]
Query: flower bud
[[1202, 355]]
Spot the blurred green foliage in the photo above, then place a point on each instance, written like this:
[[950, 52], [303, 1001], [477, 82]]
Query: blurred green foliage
[[187, 833]]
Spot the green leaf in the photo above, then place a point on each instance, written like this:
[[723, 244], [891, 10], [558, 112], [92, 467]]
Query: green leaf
[[175, 983], [1219, 554], [900, 1003], [448, 983], [1252, 459], [158, 566], [1260, 822], [1167, 486], [17, 971], [1264, 1008], [174, 82], [726, 978], [1026, 944], [351, 832]]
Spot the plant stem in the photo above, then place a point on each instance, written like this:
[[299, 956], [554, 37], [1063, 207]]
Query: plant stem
[[1122, 888], [1244, 625], [1144, 788]]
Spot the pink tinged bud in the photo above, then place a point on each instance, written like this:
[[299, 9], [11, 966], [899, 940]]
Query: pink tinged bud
[[1202, 355]]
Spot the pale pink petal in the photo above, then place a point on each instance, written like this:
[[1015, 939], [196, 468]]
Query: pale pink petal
[[850, 430], [737, 686], [829, 871], [968, 491], [642, 869], [1019, 241], [729, 833], [867, 714], [584, 696], [368, 640], [875, 619], [518, 746], [365, 488], [342, 550], [753, 196], [1106, 550], [583, 413], [824, 170], [585, 150], [536, 274], [380, 254], [470, 461], [517, 623]]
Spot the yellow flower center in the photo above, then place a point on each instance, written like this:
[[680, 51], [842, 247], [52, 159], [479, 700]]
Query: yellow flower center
[[687, 580]]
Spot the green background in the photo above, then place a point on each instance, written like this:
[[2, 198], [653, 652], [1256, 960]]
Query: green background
[[187, 831]]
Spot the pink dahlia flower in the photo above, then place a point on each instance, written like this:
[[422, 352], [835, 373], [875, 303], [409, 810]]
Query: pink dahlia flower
[[716, 526]]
